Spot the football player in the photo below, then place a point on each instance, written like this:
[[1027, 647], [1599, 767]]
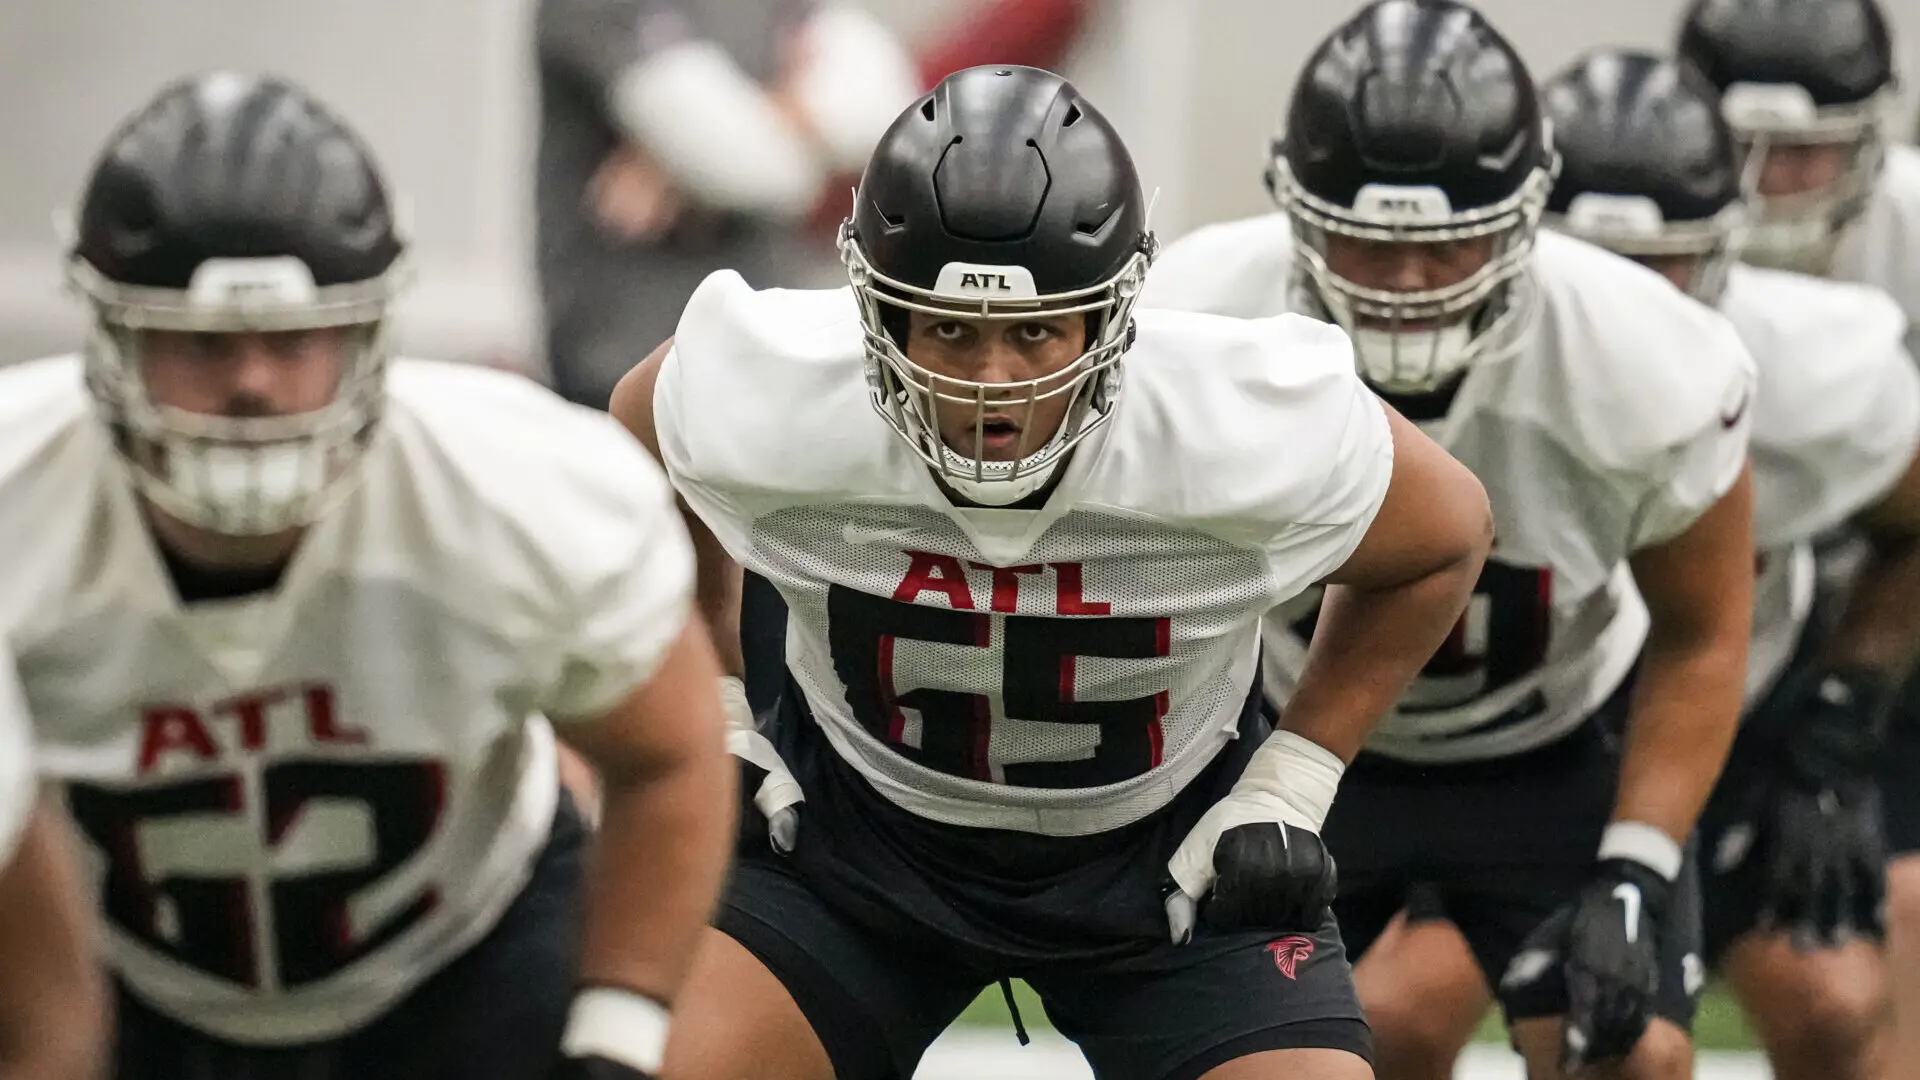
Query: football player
[[1529, 777], [1027, 534], [1790, 841], [1808, 86], [292, 620], [53, 1022]]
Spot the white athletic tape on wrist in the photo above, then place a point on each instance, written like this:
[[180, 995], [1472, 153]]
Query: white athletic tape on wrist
[[1300, 775], [1290, 779], [618, 1025], [1648, 845], [744, 741]]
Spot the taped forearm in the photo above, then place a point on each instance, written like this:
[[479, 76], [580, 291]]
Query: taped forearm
[[716, 132], [853, 82]]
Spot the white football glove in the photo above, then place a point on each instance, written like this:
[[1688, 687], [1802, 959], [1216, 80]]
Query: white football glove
[[777, 795], [1258, 850]]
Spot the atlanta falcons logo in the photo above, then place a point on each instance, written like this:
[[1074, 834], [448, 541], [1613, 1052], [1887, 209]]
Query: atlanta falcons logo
[[1289, 952]]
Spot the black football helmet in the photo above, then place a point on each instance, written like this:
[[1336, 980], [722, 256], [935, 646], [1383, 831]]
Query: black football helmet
[[227, 204], [1799, 73], [1648, 165], [999, 194], [1416, 122]]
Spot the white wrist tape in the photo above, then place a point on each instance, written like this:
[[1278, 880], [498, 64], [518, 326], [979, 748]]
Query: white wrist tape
[[715, 131], [1645, 844], [733, 702], [618, 1025], [1299, 777]]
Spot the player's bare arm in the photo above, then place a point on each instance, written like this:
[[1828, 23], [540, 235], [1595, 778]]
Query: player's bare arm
[[1395, 599], [1880, 627], [665, 830], [717, 576], [53, 1018], [1698, 588]]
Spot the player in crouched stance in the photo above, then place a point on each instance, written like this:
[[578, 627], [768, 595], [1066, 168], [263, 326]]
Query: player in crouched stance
[[292, 620], [1026, 534]]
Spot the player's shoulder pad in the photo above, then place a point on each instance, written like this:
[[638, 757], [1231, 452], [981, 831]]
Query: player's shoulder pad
[[755, 373], [1236, 268], [1238, 427], [1824, 349], [493, 456], [1630, 368]]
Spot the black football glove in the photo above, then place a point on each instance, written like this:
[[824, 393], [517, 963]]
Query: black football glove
[[1821, 842], [1611, 960], [1267, 875]]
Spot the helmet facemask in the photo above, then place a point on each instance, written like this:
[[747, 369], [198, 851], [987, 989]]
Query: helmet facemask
[[1633, 226], [1415, 341], [909, 396], [1802, 231], [238, 476]]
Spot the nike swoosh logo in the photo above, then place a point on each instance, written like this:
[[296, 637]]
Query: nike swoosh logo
[[1629, 897], [862, 535]]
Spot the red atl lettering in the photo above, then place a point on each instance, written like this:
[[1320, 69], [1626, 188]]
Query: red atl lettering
[[250, 711], [1006, 584], [935, 573], [165, 728], [323, 721], [1069, 598]]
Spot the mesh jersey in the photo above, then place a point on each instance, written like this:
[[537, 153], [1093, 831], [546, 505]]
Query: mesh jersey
[[1883, 248], [1835, 423], [1063, 670], [301, 804], [17, 785], [1624, 420]]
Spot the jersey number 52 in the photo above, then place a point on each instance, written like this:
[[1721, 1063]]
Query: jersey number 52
[[190, 864]]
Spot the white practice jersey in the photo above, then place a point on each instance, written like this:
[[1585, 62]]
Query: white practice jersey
[[1835, 423], [302, 803], [18, 784], [1065, 670], [1624, 420], [1883, 248]]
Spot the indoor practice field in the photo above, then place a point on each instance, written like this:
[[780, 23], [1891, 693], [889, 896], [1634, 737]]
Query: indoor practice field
[[982, 1044]]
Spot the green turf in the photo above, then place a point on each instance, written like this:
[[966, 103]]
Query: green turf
[[1718, 1027]]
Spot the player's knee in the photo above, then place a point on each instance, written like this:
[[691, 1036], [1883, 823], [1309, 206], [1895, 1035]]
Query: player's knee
[[1830, 1027], [1665, 1052], [1412, 1042]]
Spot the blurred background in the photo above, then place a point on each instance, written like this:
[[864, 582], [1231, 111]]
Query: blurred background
[[446, 92]]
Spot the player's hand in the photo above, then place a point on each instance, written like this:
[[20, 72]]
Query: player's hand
[[632, 199], [1611, 940], [1256, 856], [1254, 873], [1824, 855], [774, 795]]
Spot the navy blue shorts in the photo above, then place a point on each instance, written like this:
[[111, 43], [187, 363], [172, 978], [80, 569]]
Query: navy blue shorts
[[884, 926]]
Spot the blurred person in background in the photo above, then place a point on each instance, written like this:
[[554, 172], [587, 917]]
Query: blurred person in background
[[53, 1002], [297, 621], [1543, 774], [680, 137], [1790, 842], [1808, 86]]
